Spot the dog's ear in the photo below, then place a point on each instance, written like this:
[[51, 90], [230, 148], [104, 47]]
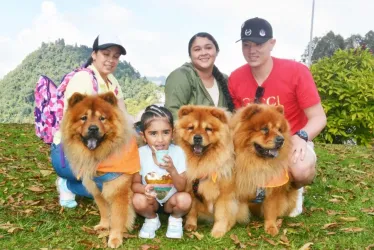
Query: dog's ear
[[219, 114], [280, 109], [250, 110], [75, 98], [184, 110], [110, 98]]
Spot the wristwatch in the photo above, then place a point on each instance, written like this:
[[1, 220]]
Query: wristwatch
[[302, 134]]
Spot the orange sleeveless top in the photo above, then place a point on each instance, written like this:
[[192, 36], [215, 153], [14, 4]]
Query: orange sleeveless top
[[278, 181], [126, 160]]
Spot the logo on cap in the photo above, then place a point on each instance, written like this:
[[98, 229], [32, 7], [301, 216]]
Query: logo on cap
[[262, 32], [248, 32]]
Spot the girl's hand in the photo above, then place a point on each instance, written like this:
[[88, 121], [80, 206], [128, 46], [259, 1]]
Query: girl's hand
[[168, 165], [149, 192]]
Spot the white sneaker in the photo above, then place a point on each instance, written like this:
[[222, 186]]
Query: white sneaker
[[66, 197], [149, 228], [175, 228], [299, 203]]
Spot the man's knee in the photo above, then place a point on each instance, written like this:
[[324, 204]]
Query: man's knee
[[304, 171], [303, 174]]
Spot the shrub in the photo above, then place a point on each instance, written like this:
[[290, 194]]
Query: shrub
[[345, 82]]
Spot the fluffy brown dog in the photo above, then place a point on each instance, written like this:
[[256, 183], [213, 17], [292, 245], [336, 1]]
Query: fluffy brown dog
[[262, 145], [204, 135], [93, 128]]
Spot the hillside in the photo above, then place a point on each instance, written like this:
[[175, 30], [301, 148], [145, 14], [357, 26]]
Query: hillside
[[55, 60]]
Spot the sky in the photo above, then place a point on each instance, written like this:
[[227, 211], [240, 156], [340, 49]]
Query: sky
[[155, 33]]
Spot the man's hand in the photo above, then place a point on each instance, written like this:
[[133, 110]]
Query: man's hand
[[298, 148]]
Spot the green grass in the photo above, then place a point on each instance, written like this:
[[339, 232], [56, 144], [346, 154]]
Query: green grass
[[30, 217]]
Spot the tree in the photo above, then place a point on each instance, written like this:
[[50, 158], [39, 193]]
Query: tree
[[352, 42], [345, 82], [327, 45], [369, 40]]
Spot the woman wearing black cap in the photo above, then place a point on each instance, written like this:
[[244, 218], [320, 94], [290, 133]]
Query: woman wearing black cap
[[101, 65]]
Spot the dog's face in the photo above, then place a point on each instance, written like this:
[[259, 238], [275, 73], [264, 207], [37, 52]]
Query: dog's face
[[92, 118], [261, 129], [201, 128]]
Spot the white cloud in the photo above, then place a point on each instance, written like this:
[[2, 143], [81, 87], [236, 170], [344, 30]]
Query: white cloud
[[109, 17], [158, 49], [51, 24], [48, 26]]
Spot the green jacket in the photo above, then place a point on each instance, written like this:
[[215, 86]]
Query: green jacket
[[183, 86]]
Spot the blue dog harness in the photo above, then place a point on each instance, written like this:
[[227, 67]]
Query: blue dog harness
[[260, 195], [99, 180]]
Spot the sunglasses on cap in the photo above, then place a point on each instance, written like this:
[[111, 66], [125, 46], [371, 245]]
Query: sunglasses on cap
[[259, 94]]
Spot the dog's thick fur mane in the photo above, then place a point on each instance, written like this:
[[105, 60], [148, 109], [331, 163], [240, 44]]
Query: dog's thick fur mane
[[84, 162], [218, 156], [252, 170]]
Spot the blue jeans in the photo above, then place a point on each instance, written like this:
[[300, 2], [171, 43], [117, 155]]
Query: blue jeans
[[63, 169]]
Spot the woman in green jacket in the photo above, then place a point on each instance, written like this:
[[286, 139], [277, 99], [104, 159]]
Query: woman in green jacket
[[198, 82]]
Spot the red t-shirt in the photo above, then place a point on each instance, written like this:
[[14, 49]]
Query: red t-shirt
[[289, 84]]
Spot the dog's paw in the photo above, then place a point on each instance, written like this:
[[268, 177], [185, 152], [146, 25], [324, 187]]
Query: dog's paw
[[271, 229], [190, 227], [217, 233], [114, 242], [101, 227]]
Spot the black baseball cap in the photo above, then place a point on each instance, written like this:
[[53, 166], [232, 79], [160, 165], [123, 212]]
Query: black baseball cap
[[256, 30], [104, 41]]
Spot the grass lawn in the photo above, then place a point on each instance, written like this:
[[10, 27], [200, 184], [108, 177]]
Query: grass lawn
[[338, 213]]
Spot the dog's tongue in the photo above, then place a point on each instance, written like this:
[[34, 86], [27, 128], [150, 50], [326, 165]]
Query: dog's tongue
[[273, 152], [197, 149], [92, 143]]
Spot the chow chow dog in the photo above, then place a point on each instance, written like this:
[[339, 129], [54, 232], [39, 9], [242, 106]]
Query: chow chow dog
[[94, 128], [262, 145], [204, 135]]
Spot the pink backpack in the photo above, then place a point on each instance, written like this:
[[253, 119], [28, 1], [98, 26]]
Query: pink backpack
[[49, 103]]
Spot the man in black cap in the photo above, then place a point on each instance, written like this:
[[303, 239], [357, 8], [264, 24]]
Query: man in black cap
[[274, 81]]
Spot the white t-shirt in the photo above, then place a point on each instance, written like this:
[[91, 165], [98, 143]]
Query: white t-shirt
[[214, 92], [147, 165]]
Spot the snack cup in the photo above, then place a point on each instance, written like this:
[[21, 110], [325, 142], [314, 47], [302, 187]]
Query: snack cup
[[160, 155], [162, 190]]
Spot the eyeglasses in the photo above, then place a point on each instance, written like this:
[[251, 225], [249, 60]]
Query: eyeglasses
[[259, 94]]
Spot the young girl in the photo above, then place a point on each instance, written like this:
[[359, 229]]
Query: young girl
[[157, 130]]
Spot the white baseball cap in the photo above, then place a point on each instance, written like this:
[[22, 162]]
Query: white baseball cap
[[104, 41]]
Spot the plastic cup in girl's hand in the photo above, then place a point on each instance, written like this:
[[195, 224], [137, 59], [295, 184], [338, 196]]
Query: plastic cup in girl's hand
[[160, 155], [161, 184]]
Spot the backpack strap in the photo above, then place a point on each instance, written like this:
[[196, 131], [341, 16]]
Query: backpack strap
[[66, 79], [94, 81]]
